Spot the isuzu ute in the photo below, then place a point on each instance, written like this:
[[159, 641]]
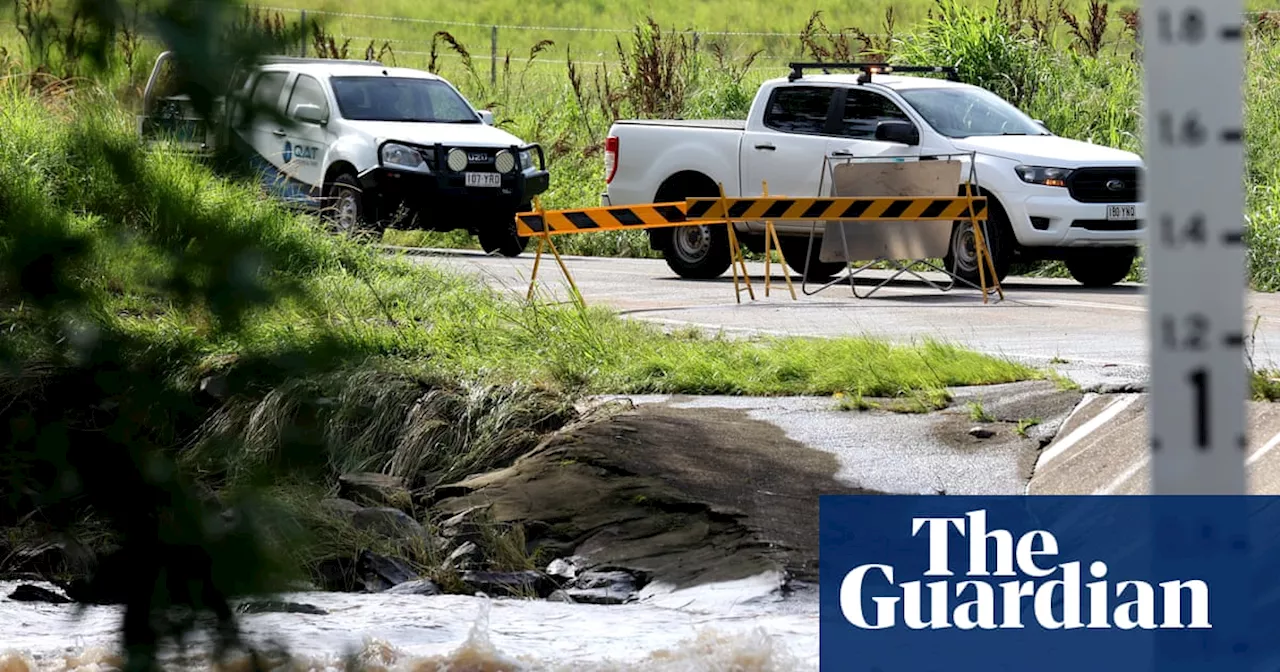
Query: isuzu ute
[[1051, 197], [366, 144]]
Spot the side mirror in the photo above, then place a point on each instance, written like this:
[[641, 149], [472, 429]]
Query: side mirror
[[312, 114], [486, 116], [902, 132], [1041, 124]]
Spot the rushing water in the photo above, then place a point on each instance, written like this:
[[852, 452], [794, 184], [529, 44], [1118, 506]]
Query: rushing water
[[741, 627]]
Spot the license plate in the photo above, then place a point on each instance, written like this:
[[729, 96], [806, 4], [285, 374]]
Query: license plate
[[484, 180], [1121, 213]]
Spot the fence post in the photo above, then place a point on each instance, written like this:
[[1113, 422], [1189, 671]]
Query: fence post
[[493, 56], [303, 24]]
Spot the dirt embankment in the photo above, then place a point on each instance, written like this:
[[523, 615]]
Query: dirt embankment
[[682, 497]]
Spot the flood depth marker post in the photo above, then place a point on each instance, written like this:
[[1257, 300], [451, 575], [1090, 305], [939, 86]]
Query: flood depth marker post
[[1193, 60], [1193, 65]]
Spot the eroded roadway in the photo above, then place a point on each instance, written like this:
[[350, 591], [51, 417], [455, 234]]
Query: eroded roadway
[[1097, 337]]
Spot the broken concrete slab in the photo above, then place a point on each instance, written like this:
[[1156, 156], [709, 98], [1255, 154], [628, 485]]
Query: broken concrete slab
[[1103, 449], [915, 453]]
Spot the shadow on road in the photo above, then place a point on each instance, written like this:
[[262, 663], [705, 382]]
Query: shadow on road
[[1037, 284]]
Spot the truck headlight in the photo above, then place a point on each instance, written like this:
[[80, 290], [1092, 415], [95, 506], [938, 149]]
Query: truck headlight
[[1049, 177], [526, 159], [504, 162], [403, 157]]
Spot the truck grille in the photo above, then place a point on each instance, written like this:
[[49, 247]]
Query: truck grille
[[1105, 185], [480, 160]]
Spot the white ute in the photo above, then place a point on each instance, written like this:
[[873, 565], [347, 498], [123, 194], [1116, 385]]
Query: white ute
[[370, 145], [1051, 197]]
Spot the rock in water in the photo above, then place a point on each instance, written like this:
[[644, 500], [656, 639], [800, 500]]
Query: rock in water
[[374, 489], [29, 593], [273, 607], [418, 587], [559, 596], [613, 587], [380, 572], [527, 583], [566, 568]]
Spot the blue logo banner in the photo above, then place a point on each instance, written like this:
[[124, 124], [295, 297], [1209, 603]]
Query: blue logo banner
[[1050, 584]]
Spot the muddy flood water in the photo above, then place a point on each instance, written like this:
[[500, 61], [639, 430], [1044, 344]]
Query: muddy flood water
[[743, 626]]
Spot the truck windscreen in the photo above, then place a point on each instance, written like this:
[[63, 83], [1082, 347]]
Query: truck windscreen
[[963, 112], [401, 99]]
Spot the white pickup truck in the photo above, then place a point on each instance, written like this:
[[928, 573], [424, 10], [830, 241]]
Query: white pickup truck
[[1051, 197], [367, 145]]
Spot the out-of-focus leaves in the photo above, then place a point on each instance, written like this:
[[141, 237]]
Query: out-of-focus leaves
[[89, 421]]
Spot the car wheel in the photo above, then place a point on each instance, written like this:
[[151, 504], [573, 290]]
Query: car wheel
[[1102, 266], [797, 249], [344, 210], [699, 252], [501, 237], [962, 254]]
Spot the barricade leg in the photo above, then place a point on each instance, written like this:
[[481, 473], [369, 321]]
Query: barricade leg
[[537, 261], [545, 241], [771, 243], [735, 254], [985, 262]]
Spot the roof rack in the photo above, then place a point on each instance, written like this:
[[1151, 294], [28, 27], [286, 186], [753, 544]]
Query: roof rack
[[797, 69], [299, 59]]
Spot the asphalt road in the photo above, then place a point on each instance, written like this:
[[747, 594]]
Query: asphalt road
[[1100, 333]]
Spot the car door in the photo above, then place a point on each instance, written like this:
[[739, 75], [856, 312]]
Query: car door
[[788, 153], [861, 111], [306, 143], [265, 134]]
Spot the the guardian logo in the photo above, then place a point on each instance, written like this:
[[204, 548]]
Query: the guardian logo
[[1003, 577]]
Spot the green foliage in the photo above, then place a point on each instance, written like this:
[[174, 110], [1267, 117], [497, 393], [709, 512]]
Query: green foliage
[[993, 54], [90, 412]]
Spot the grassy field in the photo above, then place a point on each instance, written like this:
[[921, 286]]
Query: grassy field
[[590, 27], [1076, 71]]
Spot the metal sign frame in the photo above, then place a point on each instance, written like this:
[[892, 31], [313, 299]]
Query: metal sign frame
[[977, 219]]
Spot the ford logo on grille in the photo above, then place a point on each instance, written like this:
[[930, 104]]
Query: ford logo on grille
[[1115, 185], [479, 157]]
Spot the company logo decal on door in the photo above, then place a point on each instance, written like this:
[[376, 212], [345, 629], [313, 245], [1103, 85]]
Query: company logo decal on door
[[305, 153]]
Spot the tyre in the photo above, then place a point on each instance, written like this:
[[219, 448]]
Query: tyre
[[962, 254], [797, 249], [1101, 266], [500, 236], [698, 252], [344, 207]]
